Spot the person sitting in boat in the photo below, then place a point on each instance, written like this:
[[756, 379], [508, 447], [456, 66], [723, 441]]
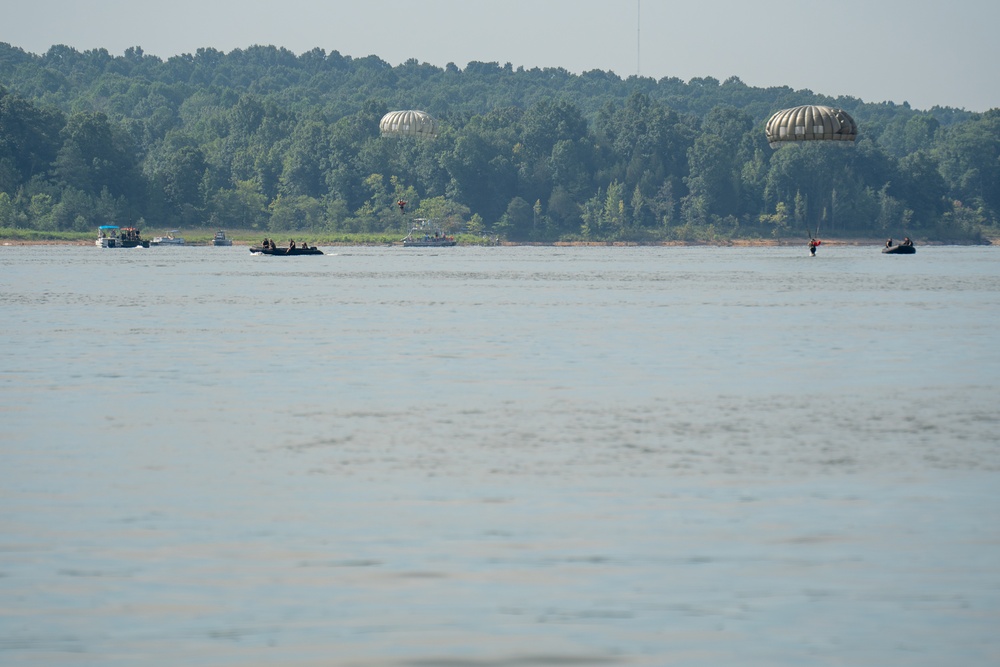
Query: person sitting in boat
[[291, 244], [907, 242], [888, 243]]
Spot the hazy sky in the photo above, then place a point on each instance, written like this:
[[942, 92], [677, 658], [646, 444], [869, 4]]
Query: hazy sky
[[919, 51]]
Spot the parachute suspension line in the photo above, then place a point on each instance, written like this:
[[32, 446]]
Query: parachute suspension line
[[809, 234]]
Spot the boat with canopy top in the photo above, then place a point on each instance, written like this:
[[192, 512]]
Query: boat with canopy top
[[113, 236]]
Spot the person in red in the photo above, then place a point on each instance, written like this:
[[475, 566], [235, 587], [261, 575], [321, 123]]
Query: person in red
[[813, 243], [402, 205]]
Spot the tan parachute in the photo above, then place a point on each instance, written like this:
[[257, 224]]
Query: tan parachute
[[810, 123], [408, 124]]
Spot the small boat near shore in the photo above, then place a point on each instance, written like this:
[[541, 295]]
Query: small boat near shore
[[899, 250], [221, 240], [169, 239], [113, 236], [424, 234]]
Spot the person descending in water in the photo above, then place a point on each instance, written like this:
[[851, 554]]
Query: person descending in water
[[813, 243]]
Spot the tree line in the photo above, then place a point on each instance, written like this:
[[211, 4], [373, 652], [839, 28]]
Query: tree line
[[264, 139]]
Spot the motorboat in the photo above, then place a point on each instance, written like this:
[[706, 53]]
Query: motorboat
[[113, 236], [286, 252], [220, 239], [424, 234], [169, 239]]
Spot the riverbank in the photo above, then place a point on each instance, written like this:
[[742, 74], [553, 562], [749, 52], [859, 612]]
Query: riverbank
[[748, 243]]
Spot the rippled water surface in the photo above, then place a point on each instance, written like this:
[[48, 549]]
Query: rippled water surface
[[499, 457]]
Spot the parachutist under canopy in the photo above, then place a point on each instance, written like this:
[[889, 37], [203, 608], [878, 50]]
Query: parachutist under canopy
[[410, 123], [810, 123]]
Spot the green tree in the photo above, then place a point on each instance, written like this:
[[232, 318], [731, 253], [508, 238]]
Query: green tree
[[711, 178], [644, 144], [243, 206], [922, 188], [182, 176], [92, 157], [296, 213], [969, 155], [40, 211], [604, 214], [29, 140], [306, 160], [516, 222], [8, 213], [450, 214]]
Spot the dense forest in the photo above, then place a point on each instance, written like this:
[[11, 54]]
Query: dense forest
[[264, 139]]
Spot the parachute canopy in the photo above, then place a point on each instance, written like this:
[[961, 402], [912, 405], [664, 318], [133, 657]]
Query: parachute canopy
[[408, 124], [810, 123]]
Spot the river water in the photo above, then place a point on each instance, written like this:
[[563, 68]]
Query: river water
[[499, 457]]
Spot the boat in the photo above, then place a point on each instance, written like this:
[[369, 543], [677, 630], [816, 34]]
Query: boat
[[220, 239], [899, 250], [424, 234], [169, 239], [113, 236], [284, 252]]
